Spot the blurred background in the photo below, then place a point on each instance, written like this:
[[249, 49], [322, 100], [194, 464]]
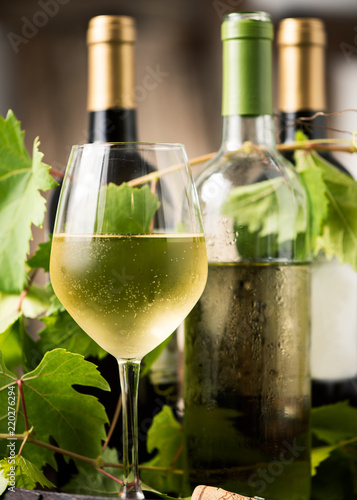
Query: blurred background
[[43, 75]]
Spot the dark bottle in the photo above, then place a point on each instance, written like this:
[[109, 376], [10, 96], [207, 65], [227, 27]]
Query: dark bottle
[[246, 373], [111, 101], [112, 116], [302, 94], [111, 98]]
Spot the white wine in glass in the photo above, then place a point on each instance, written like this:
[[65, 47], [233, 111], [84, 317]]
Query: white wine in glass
[[128, 258]]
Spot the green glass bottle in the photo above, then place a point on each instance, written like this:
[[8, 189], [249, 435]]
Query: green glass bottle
[[246, 369]]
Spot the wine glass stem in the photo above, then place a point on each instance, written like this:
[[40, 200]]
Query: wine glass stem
[[129, 381]]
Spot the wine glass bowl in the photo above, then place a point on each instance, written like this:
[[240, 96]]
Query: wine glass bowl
[[128, 257]]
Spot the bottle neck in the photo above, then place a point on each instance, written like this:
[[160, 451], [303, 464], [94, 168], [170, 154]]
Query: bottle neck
[[238, 129], [112, 125], [301, 69], [111, 98], [247, 102], [247, 77], [291, 122]]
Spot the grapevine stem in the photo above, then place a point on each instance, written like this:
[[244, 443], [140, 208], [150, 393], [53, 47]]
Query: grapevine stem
[[21, 298], [113, 424], [57, 173], [82, 458], [109, 475], [22, 397], [24, 441], [177, 454], [316, 145]]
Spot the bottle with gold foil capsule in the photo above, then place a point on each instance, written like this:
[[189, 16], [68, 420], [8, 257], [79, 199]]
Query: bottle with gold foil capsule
[[302, 94], [110, 96], [246, 368], [112, 114], [112, 118], [111, 79]]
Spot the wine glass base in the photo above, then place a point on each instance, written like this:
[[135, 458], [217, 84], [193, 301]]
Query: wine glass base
[[132, 495]]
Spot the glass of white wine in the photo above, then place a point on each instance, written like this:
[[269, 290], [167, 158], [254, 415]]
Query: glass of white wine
[[128, 258]]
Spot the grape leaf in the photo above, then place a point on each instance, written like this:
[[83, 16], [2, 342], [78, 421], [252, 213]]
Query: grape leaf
[[9, 310], [150, 358], [89, 481], [126, 210], [333, 196], [18, 348], [339, 235], [145, 487], [316, 188], [21, 204], [334, 423], [8, 397], [76, 421], [32, 304], [257, 206], [55, 304], [268, 216], [3, 482], [320, 454], [336, 478], [165, 435], [62, 331], [54, 409], [27, 475], [41, 259]]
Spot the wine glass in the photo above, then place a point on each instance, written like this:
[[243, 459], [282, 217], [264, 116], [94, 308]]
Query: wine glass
[[128, 258]]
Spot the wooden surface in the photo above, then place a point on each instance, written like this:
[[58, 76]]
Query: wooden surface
[[23, 494]]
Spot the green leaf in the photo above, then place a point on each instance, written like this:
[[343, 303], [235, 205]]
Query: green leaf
[[55, 304], [76, 421], [27, 475], [89, 481], [21, 203], [318, 455], [268, 216], [9, 310], [3, 482], [165, 435], [312, 177], [126, 210], [334, 423], [34, 302], [336, 477], [54, 409], [41, 259], [18, 348], [333, 196], [8, 397], [152, 356], [339, 235], [145, 487], [62, 331]]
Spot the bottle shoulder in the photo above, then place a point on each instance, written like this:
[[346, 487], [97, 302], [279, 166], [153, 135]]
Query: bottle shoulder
[[253, 207], [247, 166]]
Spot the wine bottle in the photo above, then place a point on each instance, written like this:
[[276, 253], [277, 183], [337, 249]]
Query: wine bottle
[[302, 102], [112, 117], [111, 79], [110, 98], [246, 370]]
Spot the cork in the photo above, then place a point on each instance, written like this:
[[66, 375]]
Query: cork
[[212, 493]]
